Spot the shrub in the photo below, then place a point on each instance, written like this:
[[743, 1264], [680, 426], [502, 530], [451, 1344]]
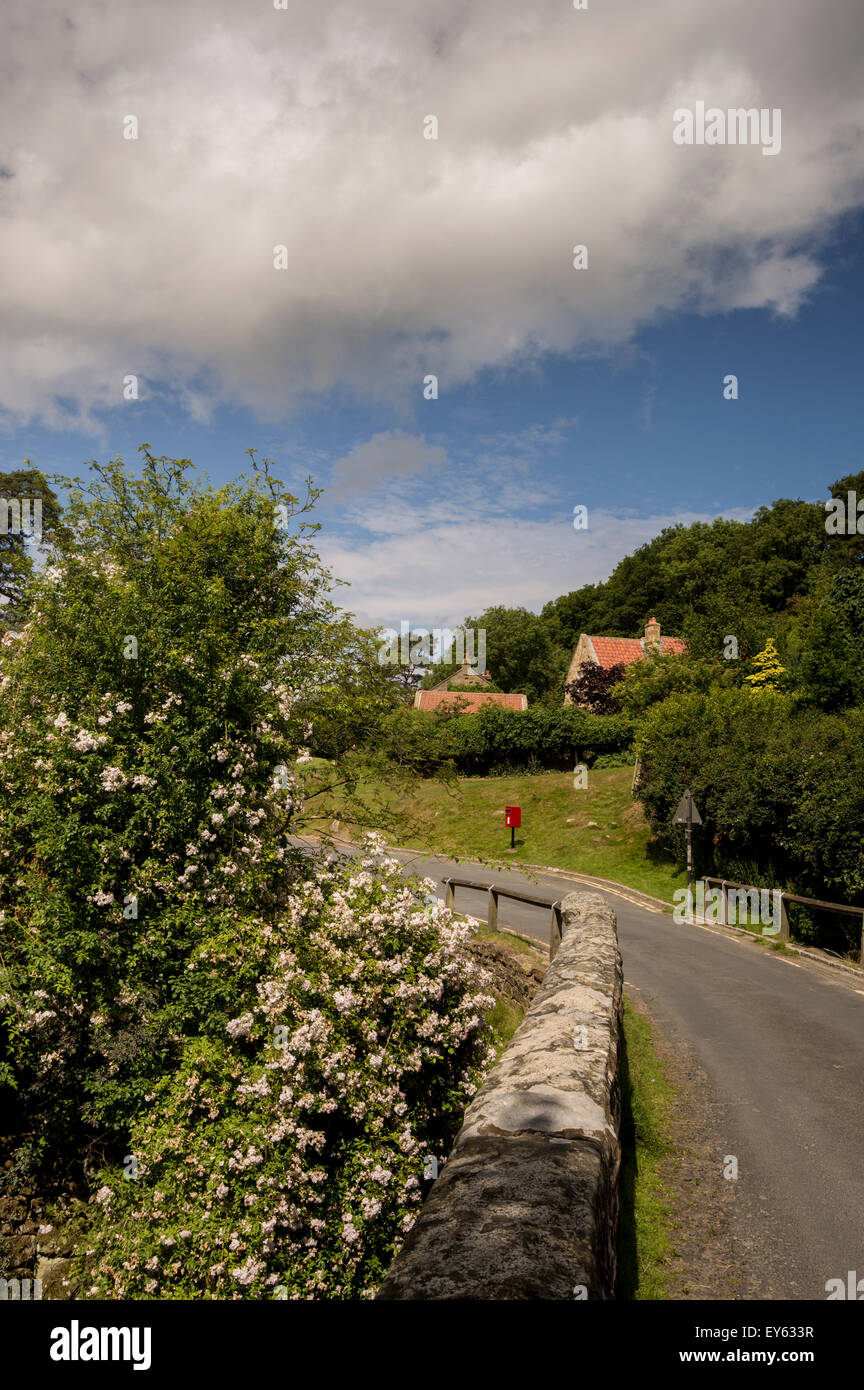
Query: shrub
[[592, 688], [179, 646], [286, 1152], [780, 791], [624, 759]]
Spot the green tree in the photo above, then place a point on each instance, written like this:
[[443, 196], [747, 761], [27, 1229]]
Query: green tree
[[827, 640], [23, 486], [647, 683], [520, 655]]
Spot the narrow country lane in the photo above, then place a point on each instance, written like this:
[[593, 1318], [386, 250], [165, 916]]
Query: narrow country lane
[[780, 1044]]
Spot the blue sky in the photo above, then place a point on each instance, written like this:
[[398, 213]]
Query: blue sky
[[556, 387]]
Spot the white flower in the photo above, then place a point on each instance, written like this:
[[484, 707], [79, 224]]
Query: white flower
[[104, 1195], [216, 818], [112, 778], [103, 899], [62, 721], [240, 1027], [249, 1271], [85, 743], [305, 756]]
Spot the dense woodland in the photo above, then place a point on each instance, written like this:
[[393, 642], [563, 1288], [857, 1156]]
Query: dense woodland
[[780, 576]]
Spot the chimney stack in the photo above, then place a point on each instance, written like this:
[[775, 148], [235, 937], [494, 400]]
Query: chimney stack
[[652, 633]]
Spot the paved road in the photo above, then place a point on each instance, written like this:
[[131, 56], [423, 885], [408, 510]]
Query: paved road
[[781, 1044]]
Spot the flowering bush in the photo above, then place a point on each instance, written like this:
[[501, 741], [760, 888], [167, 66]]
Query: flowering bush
[[257, 1048], [178, 647], [285, 1156]]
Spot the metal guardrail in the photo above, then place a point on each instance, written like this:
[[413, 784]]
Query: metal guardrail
[[495, 892], [784, 934]]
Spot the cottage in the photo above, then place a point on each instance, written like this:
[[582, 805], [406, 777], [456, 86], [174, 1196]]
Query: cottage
[[607, 652], [472, 693]]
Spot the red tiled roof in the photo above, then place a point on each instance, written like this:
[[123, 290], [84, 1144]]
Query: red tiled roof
[[468, 700], [612, 651]]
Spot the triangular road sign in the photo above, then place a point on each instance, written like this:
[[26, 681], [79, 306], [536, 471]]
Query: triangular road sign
[[686, 811]]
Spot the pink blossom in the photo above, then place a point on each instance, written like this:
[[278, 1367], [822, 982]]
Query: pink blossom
[[240, 1027]]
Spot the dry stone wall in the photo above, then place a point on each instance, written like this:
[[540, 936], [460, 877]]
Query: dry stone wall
[[526, 1206]]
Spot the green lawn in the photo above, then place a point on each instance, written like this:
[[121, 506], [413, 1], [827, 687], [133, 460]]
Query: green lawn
[[599, 830]]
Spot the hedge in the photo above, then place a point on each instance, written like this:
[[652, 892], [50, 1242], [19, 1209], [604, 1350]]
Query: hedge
[[495, 740]]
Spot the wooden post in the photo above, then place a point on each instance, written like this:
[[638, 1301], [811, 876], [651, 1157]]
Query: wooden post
[[861, 961], [724, 902], [556, 930], [492, 914], [449, 895], [784, 920]]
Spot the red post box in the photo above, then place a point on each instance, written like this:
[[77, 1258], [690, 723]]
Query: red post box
[[513, 816]]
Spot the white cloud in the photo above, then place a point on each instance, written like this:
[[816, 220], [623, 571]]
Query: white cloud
[[303, 127], [472, 562]]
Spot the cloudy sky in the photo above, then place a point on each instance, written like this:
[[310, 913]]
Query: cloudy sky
[[303, 128]]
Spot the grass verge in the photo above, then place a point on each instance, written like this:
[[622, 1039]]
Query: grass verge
[[504, 1018], [645, 1226]]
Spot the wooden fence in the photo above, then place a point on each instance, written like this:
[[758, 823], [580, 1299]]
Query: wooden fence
[[495, 892], [784, 934]]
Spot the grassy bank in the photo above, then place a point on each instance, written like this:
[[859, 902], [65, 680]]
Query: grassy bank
[[598, 830], [645, 1230]]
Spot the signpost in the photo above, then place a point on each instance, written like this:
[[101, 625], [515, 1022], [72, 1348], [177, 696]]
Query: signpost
[[513, 819], [688, 816]]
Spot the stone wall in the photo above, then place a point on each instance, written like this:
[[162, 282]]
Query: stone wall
[[30, 1247], [526, 1206]]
